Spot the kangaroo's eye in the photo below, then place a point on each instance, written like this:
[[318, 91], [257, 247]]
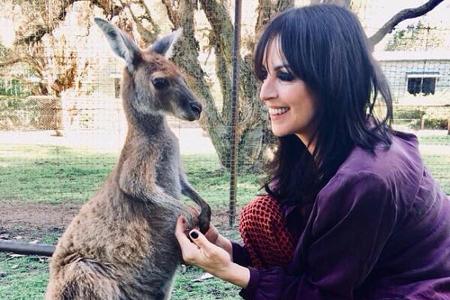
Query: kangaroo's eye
[[160, 83]]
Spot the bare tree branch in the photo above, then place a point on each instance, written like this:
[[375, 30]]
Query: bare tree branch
[[156, 28], [10, 62], [146, 35], [404, 14], [220, 22], [173, 13], [43, 29], [264, 13], [268, 8], [221, 39]]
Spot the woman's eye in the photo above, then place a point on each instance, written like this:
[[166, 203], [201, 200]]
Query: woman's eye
[[160, 83], [262, 75], [285, 76]]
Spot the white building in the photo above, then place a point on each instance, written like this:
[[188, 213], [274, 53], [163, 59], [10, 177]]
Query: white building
[[416, 73]]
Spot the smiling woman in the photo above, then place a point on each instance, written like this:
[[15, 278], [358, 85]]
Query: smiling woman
[[350, 212]]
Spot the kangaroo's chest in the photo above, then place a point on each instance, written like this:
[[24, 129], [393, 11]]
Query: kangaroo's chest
[[168, 167]]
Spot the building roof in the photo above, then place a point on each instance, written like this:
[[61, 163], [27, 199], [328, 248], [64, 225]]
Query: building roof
[[434, 54]]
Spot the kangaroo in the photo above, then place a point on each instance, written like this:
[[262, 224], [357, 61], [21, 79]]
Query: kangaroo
[[122, 244]]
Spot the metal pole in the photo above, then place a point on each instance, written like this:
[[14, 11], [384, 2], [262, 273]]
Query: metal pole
[[26, 248], [234, 110]]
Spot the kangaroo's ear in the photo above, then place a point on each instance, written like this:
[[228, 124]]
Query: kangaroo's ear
[[121, 44], [164, 45]]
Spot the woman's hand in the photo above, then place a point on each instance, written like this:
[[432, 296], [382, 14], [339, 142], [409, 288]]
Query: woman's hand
[[202, 251], [213, 234], [206, 255]]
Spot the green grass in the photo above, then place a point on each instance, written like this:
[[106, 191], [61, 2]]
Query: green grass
[[187, 287], [442, 140], [52, 174], [22, 277], [439, 166], [26, 278], [212, 181]]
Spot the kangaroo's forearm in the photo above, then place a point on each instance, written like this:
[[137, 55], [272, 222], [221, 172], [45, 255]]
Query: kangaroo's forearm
[[136, 181], [188, 191]]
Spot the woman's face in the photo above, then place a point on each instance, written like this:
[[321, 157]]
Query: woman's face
[[289, 102]]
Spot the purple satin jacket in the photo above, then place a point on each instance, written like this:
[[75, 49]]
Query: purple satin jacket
[[380, 229]]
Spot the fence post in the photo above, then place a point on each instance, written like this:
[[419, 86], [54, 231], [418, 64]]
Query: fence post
[[448, 126], [234, 111]]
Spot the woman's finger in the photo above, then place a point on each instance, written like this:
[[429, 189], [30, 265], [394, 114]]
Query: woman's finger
[[200, 240], [180, 229], [189, 251], [212, 234]]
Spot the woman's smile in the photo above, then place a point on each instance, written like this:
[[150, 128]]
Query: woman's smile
[[277, 112]]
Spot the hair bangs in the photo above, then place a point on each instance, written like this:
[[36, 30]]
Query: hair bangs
[[272, 34]]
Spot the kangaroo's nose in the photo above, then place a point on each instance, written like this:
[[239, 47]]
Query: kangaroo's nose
[[196, 107]]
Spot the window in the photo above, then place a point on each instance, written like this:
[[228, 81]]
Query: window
[[421, 83]]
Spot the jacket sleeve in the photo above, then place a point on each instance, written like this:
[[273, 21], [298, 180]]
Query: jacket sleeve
[[240, 255], [351, 221]]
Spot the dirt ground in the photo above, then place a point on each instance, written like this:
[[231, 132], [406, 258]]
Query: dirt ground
[[35, 221], [31, 221]]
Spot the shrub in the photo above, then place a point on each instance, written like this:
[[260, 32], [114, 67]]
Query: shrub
[[28, 113], [415, 116], [408, 113], [435, 123]]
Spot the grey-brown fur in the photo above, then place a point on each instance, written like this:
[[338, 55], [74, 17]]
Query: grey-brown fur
[[121, 245]]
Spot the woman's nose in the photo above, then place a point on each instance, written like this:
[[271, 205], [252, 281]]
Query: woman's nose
[[268, 90]]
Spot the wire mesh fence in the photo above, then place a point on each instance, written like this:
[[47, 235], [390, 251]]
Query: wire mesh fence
[[62, 123]]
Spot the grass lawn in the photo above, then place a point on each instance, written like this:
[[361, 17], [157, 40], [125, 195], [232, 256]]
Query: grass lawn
[[26, 277], [22, 277], [438, 164], [53, 174], [441, 140]]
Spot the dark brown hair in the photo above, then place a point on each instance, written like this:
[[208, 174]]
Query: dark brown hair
[[326, 47]]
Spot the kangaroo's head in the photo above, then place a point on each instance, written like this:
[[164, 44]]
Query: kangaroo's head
[[152, 84]]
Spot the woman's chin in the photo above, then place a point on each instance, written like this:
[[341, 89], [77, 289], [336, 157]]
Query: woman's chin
[[279, 132]]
